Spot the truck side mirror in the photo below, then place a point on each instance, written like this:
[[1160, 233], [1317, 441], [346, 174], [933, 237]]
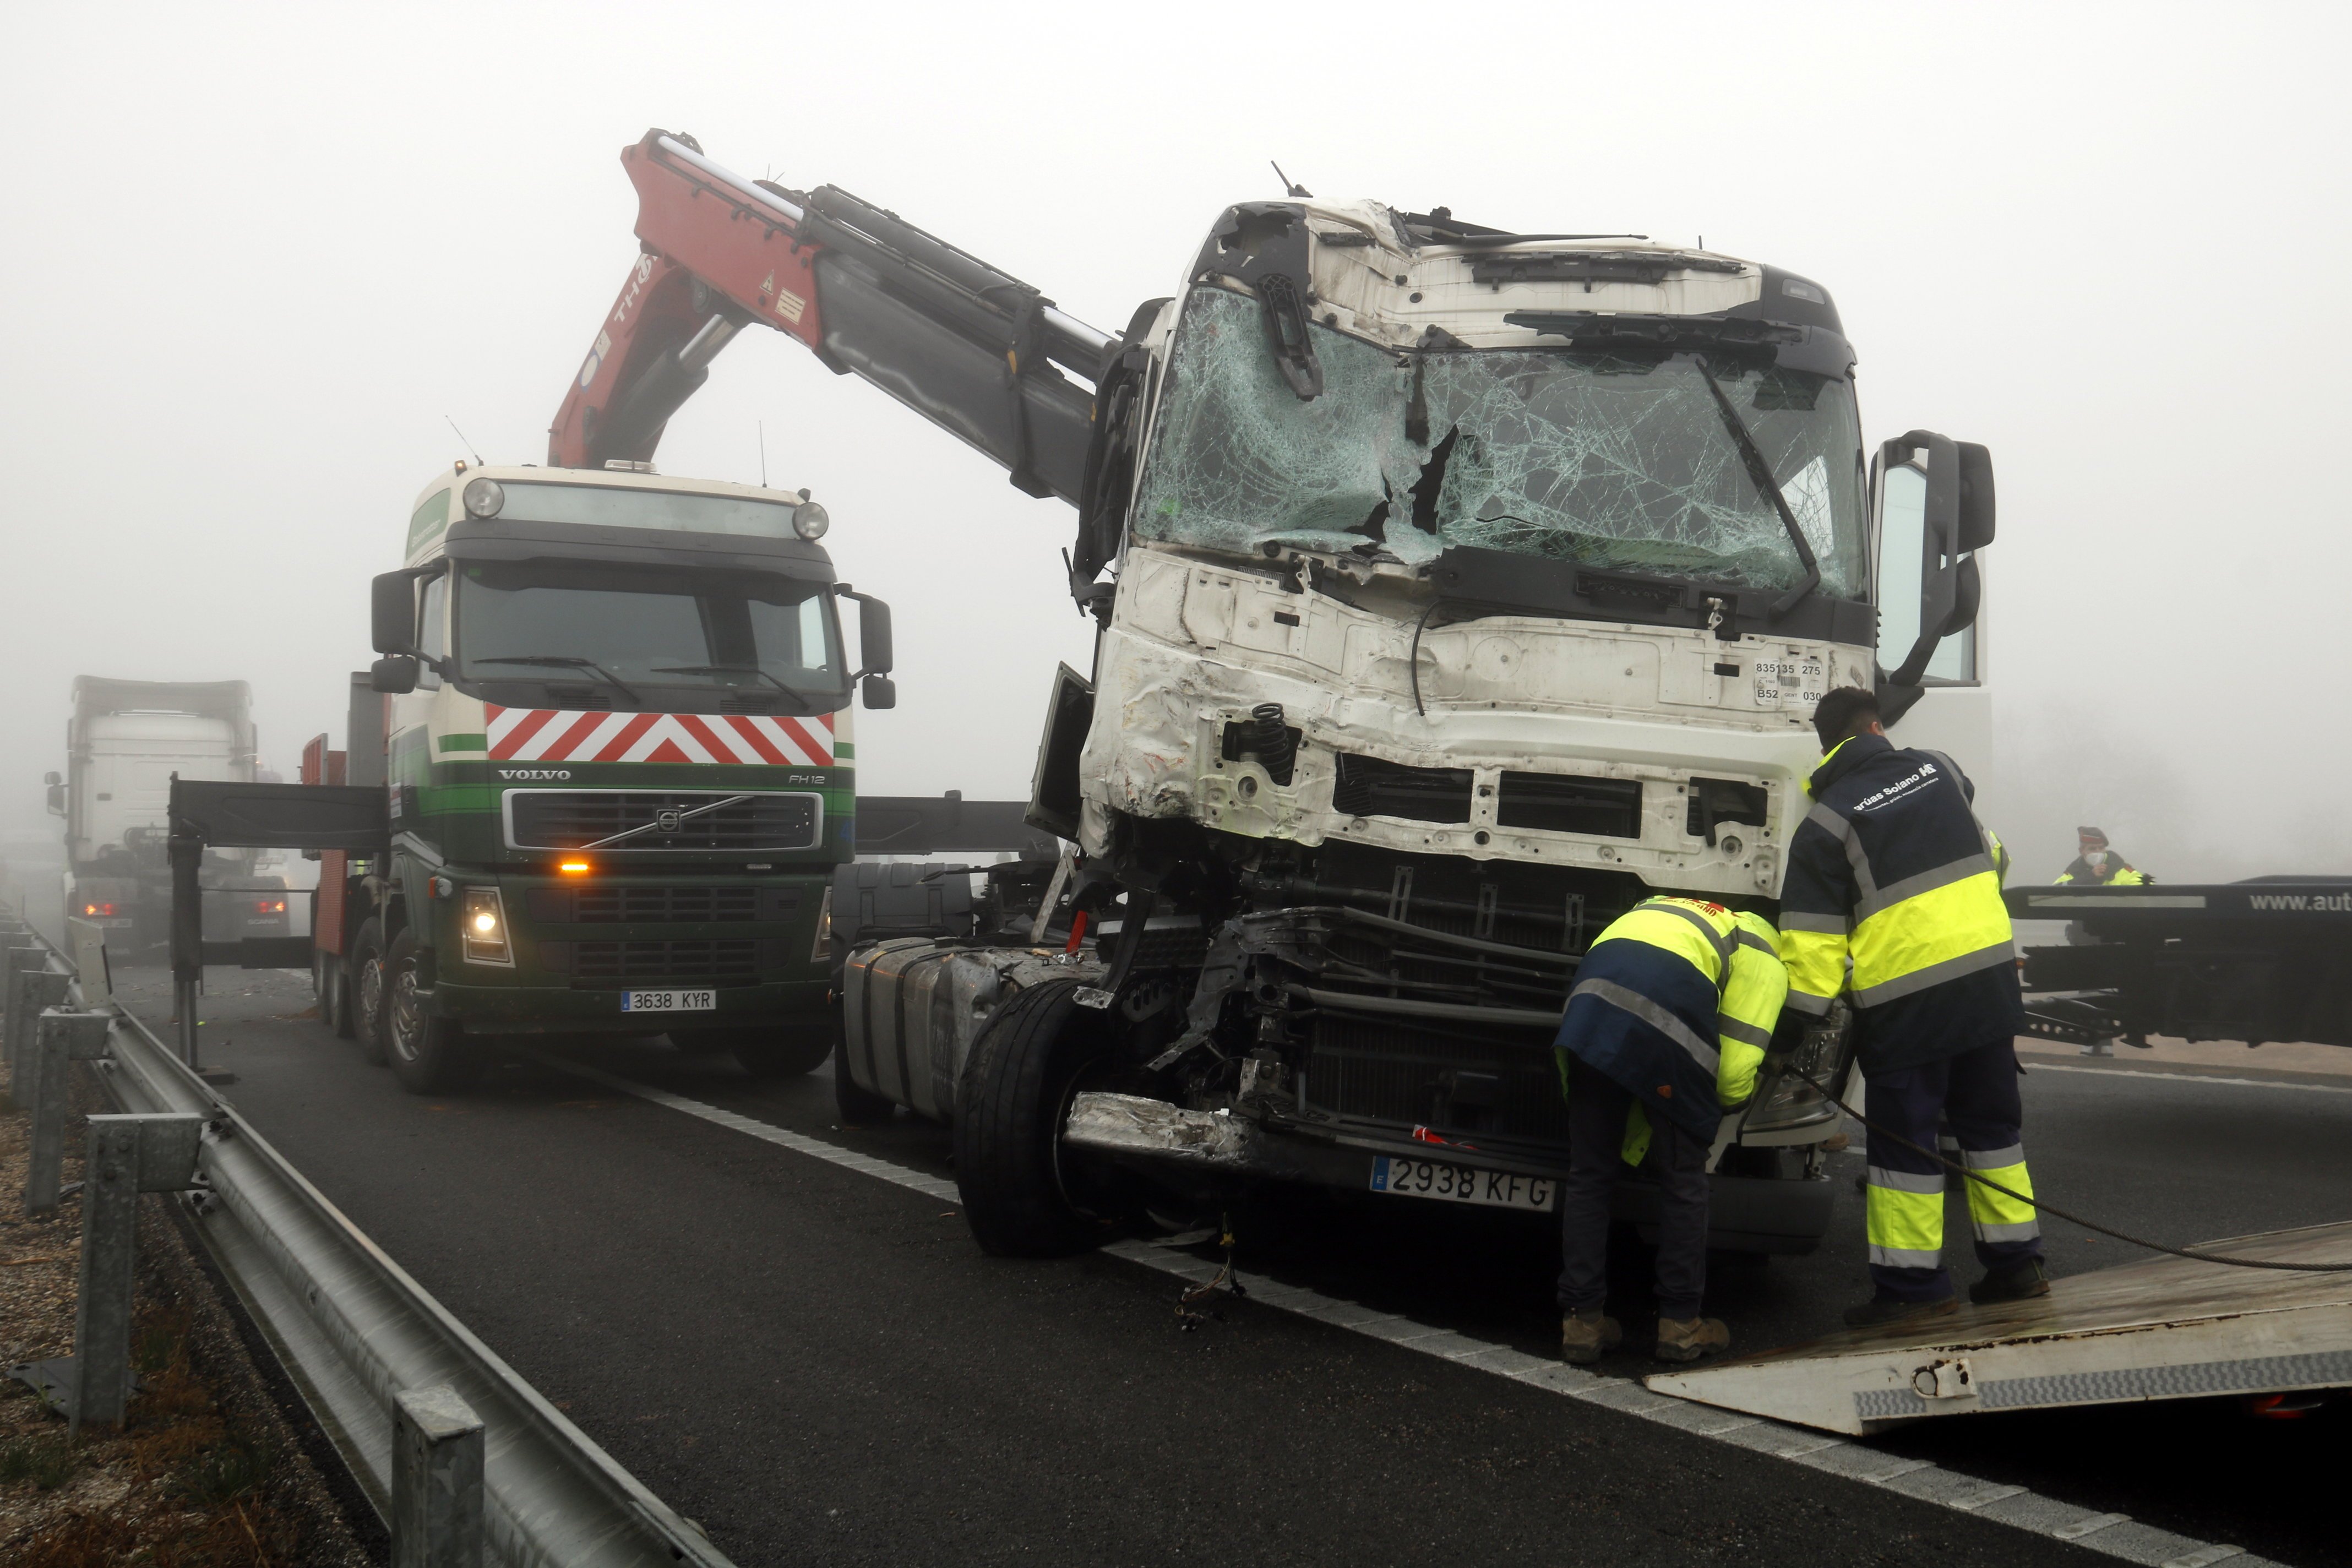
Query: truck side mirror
[[395, 674], [878, 691], [56, 791], [874, 634], [1947, 499], [391, 617]]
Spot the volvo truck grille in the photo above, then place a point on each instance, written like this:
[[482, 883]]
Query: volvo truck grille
[[624, 822], [1367, 786], [1378, 1071], [1565, 803], [735, 960]]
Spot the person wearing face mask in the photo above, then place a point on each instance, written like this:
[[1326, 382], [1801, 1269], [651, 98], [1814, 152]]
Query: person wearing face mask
[[2099, 867]]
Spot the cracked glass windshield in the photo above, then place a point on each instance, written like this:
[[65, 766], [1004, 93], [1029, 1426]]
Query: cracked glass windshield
[[1608, 462]]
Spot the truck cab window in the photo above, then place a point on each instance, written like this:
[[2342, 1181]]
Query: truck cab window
[[1903, 509], [651, 630], [433, 629]]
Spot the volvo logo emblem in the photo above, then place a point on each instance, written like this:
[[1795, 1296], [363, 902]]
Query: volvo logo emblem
[[667, 821]]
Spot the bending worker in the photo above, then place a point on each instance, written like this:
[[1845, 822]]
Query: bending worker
[[1673, 1007], [1892, 871], [2099, 866]]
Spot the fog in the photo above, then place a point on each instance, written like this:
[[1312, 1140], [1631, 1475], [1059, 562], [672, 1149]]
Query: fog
[[258, 256]]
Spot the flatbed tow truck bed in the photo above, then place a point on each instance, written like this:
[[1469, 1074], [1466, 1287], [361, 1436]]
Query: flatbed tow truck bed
[[2167, 1329]]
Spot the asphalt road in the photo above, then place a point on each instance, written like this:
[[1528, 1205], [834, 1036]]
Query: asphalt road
[[818, 1365]]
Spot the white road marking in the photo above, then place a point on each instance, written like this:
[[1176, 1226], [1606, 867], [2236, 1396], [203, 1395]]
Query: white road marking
[[2035, 1067], [2110, 1534]]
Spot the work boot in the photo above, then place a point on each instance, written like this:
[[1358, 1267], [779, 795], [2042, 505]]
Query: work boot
[[2018, 1282], [1895, 1310], [1688, 1339], [1586, 1337]]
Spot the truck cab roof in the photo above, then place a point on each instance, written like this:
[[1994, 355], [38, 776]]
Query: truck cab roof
[[605, 509]]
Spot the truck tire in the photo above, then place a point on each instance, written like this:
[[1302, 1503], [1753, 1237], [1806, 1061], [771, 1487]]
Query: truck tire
[[1026, 1065], [367, 991], [856, 1106], [791, 1050], [333, 989], [428, 1054]]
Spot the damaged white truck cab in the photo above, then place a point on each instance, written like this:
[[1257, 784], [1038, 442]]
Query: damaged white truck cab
[[1457, 589], [1468, 587]]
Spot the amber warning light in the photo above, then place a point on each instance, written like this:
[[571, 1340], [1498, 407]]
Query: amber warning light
[[572, 867], [98, 909]]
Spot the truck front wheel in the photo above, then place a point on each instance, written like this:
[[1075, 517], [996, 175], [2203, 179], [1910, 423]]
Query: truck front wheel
[[788, 1050], [428, 1054], [1022, 1195], [367, 990]]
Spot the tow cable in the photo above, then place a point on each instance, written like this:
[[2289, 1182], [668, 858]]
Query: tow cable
[[1982, 1180]]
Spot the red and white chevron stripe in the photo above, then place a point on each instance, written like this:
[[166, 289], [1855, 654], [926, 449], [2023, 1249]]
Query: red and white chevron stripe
[[558, 735]]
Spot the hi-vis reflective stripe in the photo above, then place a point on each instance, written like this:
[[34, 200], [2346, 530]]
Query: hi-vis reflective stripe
[[560, 735], [1650, 1012], [1996, 1215]]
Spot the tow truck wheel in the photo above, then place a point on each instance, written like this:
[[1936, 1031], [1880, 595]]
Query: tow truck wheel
[[367, 991], [1023, 1197], [790, 1050], [428, 1054]]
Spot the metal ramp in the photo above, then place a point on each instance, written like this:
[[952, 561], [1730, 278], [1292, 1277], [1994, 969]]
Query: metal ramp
[[2167, 1329]]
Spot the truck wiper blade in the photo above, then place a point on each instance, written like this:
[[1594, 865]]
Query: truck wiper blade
[[793, 692], [569, 661], [1769, 487]]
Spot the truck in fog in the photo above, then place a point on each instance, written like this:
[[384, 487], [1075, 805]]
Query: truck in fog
[[613, 725], [125, 742]]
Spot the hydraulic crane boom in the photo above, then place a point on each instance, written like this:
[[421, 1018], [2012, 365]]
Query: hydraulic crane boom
[[970, 348]]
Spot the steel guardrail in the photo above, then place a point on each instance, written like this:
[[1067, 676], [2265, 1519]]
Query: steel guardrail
[[353, 1330]]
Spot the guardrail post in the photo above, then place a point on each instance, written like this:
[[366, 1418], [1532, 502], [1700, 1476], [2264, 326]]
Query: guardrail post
[[18, 951], [438, 1449], [31, 992], [63, 1037], [187, 856], [128, 1155]]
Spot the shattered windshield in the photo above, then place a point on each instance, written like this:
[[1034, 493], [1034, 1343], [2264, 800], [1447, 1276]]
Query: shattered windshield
[[1606, 461]]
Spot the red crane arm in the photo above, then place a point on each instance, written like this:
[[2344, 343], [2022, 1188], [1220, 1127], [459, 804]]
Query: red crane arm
[[970, 348]]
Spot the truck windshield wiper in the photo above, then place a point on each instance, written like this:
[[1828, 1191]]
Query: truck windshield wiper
[[569, 661], [1769, 487], [793, 692]]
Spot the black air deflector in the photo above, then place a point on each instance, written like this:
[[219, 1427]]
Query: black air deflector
[[1564, 802], [1368, 786]]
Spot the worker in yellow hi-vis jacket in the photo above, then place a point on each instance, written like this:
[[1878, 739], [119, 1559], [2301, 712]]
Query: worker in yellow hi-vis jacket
[[1673, 1007], [1892, 873]]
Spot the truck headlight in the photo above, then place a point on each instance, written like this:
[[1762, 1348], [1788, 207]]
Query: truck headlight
[[482, 922], [810, 521], [1787, 1101], [484, 497]]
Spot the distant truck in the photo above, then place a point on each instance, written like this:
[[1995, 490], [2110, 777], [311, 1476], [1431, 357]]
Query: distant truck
[[613, 725], [126, 741]]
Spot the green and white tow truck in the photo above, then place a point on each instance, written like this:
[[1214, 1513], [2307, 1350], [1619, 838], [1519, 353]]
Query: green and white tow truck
[[616, 747]]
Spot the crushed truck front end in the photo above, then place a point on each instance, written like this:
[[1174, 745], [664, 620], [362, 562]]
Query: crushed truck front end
[[1468, 589]]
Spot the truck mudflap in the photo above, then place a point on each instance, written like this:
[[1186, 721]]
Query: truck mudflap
[[1203, 1151], [2169, 1329]]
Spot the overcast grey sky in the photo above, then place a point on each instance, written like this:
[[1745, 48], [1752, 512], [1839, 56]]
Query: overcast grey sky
[[256, 254]]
